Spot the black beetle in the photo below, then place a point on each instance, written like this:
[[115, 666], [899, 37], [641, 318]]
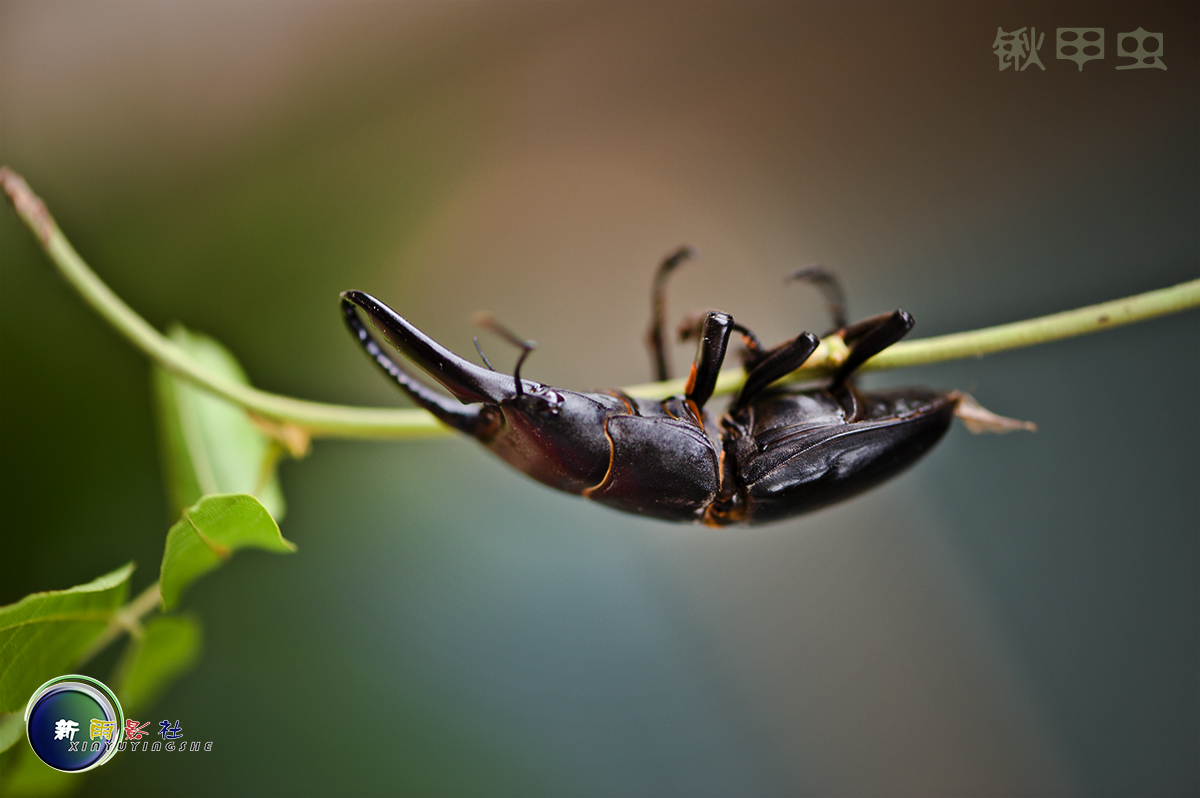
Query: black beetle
[[773, 454]]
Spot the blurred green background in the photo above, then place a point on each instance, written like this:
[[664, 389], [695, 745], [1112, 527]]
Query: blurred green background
[[1017, 615]]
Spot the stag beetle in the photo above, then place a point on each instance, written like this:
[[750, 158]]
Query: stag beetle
[[774, 453]]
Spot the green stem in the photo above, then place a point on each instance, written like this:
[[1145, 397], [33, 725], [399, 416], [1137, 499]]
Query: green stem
[[343, 421], [316, 418], [127, 619]]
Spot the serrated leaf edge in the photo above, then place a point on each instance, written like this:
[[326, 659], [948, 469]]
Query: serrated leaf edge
[[78, 616], [97, 585]]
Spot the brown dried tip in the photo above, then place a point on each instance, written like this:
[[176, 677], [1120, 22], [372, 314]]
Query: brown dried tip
[[28, 206], [978, 419], [293, 438]]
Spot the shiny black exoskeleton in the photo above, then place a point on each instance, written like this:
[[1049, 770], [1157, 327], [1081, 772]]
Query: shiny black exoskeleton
[[773, 454]]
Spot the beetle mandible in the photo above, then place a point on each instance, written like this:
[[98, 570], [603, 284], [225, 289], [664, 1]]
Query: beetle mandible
[[773, 454]]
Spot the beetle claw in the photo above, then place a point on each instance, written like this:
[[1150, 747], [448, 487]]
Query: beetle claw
[[462, 378]]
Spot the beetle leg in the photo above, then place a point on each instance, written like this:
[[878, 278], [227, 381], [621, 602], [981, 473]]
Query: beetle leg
[[829, 286], [868, 338], [693, 325], [714, 340], [658, 312], [853, 332], [753, 347], [780, 361], [473, 383]]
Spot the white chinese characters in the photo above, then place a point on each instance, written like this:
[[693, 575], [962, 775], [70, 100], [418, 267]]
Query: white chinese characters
[[65, 729]]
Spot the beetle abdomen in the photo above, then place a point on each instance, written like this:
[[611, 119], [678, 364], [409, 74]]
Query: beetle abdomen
[[790, 469], [659, 467]]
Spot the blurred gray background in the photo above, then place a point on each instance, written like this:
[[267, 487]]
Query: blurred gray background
[[1016, 615]]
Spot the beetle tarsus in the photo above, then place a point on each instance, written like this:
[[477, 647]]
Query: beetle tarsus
[[693, 324], [830, 287], [776, 364], [868, 338], [658, 311]]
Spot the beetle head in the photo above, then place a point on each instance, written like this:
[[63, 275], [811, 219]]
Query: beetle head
[[555, 436]]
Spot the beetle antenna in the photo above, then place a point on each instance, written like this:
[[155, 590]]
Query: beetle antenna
[[482, 356], [487, 321], [526, 348], [829, 286]]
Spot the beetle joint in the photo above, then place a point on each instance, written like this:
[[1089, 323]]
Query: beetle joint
[[292, 437]]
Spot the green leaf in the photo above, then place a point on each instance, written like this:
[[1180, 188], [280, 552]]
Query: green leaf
[[12, 728], [167, 648], [43, 634], [26, 775], [209, 445], [209, 532]]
